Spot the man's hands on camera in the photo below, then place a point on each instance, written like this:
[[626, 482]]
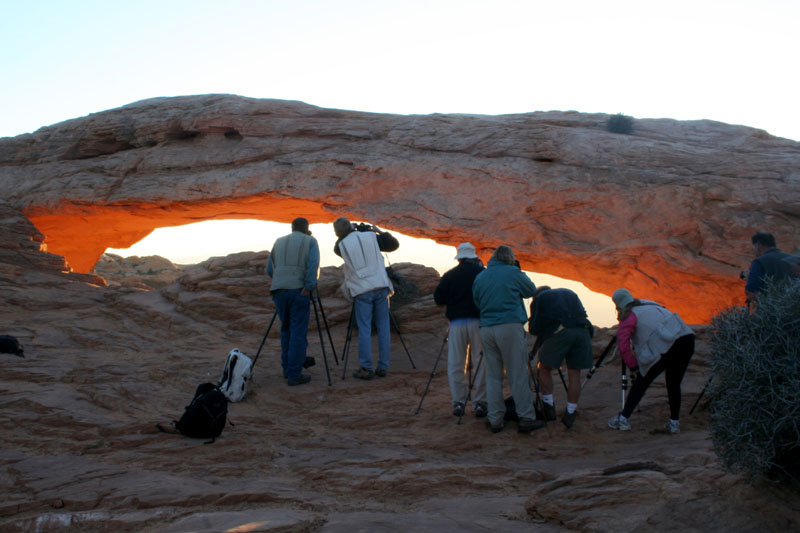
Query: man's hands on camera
[[363, 226]]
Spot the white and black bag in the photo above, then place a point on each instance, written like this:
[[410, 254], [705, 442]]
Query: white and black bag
[[235, 375]]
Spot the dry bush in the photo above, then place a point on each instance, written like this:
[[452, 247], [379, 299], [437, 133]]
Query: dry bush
[[756, 393]]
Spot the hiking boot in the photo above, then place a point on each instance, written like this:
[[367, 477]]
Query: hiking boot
[[673, 426], [458, 409], [495, 428], [619, 422], [526, 425], [380, 372], [363, 373], [481, 410], [569, 418], [302, 379], [549, 411]]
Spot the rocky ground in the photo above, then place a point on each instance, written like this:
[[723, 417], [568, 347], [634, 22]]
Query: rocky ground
[[79, 448]]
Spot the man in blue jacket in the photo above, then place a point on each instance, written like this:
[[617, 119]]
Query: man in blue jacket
[[498, 292]]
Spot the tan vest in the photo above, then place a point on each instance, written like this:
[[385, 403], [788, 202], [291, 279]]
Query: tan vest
[[289, 259]]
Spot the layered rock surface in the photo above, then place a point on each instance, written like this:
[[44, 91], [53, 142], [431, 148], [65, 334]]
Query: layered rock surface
[[666, 211], [79, 450]]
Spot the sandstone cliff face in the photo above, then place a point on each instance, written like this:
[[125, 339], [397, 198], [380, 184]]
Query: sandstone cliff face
[[666, 211]]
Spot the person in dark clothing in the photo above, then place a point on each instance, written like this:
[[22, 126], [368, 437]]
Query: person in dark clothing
[[770, 263], [464, 336], [559, 319]]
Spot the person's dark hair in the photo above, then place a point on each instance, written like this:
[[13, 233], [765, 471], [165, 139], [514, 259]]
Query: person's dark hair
[[300, 224], [540, 290], [505, 254], [764, 238]]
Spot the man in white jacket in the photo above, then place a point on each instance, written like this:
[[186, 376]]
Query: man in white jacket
[[368, 284]]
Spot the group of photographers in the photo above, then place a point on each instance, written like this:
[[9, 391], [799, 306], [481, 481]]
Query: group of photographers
[[486, 316]]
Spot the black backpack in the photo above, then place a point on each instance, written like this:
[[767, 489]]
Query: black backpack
[[206, 416], [9, 344]]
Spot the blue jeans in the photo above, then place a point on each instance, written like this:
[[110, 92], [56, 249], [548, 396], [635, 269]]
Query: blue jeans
[[293, 310], [373, 304]]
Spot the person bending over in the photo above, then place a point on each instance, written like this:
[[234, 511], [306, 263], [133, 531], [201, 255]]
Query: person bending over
[[558, 318], [661, 343]]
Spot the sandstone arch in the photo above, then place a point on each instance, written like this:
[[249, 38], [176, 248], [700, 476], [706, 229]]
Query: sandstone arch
[[666, 211]]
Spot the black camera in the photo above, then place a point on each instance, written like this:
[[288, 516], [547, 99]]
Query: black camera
[[744, 274], [363, 226], [309, 361]]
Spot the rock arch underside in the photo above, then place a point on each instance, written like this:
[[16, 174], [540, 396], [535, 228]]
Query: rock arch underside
[[666, 211]]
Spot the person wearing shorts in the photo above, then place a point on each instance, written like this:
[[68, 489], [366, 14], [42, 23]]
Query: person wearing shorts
[[559, 320]]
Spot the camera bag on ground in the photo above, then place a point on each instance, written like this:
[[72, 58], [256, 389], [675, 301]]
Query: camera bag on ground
[[206, 416], [9, 344], [235, 374]]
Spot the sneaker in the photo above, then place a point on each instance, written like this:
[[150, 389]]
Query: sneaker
[[619, 422], [363, 373], [458, 409], [569, 418], [302, 379], [481, 410], [549, 411], [380, 372], [526, 425], [673, 426], [495, 428]]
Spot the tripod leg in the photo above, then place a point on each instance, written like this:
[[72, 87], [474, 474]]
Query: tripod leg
[[435, 364], [471, 379], [397, 329], [624, 383], [349, 338], [702, 392], [325, 320], [264, 339], [563, 381], [322, 343]]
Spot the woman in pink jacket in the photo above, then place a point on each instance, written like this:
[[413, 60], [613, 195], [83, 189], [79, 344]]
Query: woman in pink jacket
[[660, 342]]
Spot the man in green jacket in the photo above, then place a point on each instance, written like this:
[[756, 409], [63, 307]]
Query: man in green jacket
[[498, 292]]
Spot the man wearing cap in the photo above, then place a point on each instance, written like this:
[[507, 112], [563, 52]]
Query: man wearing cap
[[464, 337], [294, 267]]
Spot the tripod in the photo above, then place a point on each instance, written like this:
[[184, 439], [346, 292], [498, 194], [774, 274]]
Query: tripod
[[349, 338], [433, 371], [600, 360], [702, 392], [538, 404], [315, 300]]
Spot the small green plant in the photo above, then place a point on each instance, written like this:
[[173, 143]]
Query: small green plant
[[755, 401], [620, 123]]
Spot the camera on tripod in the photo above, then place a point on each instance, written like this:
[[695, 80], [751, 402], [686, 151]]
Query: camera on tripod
[[363, 226]]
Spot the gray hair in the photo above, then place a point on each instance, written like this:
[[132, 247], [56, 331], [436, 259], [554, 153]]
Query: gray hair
[[342, 226], [504, 253]]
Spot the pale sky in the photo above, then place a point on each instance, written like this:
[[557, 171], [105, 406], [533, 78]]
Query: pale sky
[[728, 60]]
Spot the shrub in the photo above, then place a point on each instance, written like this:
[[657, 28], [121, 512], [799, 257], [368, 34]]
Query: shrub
[[620, 123], [755, 424]]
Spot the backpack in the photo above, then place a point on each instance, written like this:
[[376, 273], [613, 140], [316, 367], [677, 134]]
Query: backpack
[[9, 344], [205, 417], [235, 375]]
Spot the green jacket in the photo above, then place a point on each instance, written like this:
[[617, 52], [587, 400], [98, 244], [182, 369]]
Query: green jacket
[[498, 292]]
